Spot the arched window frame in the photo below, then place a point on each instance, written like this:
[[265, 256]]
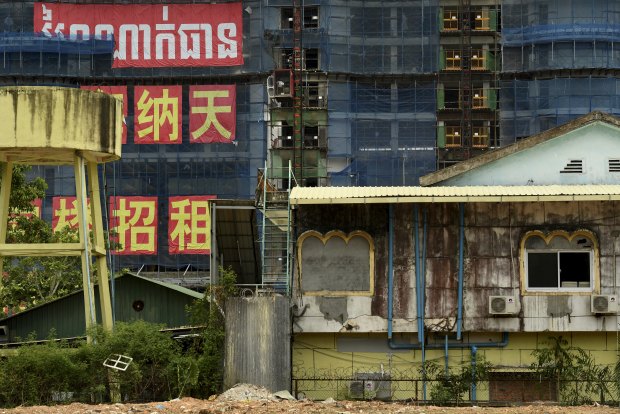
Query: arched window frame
[[324, 238], [576, 244]]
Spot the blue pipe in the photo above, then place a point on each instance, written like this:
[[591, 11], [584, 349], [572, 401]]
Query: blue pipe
[[390, 272], [423, 271], [474, 351], [459, 317], [446, 356], [422, 289], [419, 279], [418, 273]]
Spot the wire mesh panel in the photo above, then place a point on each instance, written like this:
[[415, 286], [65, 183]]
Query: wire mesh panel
[[382, 37], [560, 35], [384, 132], [533, 106]]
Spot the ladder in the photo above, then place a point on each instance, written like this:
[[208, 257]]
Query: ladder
[[298, 64], [466, 77]]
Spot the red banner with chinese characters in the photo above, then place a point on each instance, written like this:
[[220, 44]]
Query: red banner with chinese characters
[[38, 206], [37, 203], [152, 35], [133, 225], [157, 114], [65, 213], [213, 113], [119, 92], [189, 225]]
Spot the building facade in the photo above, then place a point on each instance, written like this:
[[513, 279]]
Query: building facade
[[399, 290], [350, 93]]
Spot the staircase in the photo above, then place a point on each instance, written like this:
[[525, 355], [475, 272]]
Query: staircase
[[276, 242]]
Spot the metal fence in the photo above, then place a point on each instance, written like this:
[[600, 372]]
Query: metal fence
[[502, 388]]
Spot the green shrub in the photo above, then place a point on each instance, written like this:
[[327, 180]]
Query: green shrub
[[208, 349], [40, 374], [577, 377], [161, 369]]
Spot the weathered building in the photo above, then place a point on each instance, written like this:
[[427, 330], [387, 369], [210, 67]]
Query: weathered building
[[483, 261]]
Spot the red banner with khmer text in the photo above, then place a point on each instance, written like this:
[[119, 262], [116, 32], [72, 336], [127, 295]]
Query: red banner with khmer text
[[152, 35]]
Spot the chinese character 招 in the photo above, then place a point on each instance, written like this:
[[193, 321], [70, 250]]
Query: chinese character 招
[[132, 219]]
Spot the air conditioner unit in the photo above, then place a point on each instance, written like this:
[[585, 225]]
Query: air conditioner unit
[[604, 303], [502, 305], [371, 386]]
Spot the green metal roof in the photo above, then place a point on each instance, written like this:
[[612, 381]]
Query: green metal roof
[[172, 286]]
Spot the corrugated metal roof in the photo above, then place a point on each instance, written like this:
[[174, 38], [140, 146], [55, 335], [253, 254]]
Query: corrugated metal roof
[[361, 195], [170, 286]]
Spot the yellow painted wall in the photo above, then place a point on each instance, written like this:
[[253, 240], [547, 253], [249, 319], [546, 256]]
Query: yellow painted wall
[[319, 366]]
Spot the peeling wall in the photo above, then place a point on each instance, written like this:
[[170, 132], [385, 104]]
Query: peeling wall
[[493, 232]]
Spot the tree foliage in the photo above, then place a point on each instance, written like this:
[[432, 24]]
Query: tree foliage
[[577, 377], [29, 281], [208, 312], [23, 191], [450, 387]]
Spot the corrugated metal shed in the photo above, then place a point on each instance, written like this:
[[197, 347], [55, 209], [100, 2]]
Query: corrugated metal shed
[[136, 298], [258, 342], [524, 193]]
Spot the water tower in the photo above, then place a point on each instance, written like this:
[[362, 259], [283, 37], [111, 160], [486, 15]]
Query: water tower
[[63, 126]]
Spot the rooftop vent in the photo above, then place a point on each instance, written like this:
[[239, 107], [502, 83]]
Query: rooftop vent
[[573, 167]]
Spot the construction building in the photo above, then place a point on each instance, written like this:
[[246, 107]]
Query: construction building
[[349, 93]]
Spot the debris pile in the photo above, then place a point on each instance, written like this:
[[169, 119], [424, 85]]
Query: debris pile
[[247, 392]]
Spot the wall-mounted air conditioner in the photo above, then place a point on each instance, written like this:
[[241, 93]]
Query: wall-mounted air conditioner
[[502, 305], [604, 303], [371, 386]]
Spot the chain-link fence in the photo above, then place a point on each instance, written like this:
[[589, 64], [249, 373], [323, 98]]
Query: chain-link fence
[[500, 387]]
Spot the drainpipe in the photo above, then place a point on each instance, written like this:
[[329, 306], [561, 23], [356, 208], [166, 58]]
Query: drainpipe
[[459, 317], [390, 272], [418, 272], [474, 351], [422, 289], [446, 357], [393, 345]]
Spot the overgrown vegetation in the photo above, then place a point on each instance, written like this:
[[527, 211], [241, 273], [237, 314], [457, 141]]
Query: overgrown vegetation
[[209, 347], [450, 388], [162, 368], [574, 372], [30, 281]]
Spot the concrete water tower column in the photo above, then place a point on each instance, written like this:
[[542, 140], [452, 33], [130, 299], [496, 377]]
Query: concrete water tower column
[[63, 126]]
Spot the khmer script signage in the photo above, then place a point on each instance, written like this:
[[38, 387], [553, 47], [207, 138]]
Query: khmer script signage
[[152, 35]]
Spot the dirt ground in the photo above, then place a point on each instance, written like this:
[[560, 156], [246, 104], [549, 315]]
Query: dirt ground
[[252, 399], [193, 406]]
